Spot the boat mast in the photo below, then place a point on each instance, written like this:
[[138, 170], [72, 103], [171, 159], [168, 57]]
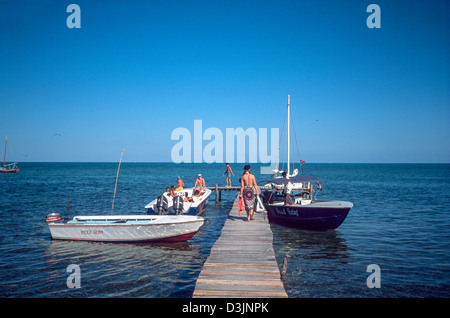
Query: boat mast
[[115, 187], [4, 157], [288, 137]]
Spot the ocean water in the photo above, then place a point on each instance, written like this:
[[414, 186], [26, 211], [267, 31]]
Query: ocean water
[[399, 222]]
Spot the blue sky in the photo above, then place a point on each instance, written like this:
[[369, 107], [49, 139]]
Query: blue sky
[[137, 70]]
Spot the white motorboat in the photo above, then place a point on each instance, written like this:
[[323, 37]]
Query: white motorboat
[[125, 228], [193, 205]]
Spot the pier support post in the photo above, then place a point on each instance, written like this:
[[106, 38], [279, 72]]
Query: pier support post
[[217, 193]]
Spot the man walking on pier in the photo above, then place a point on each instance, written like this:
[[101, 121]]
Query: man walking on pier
[[248, 188], [228, 172]]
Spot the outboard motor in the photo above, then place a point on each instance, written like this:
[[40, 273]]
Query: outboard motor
[[53, 218], [178, 204], [162, 204]]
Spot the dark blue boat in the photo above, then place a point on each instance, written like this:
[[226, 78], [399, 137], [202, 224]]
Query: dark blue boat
[[304, 212], [317, 215]]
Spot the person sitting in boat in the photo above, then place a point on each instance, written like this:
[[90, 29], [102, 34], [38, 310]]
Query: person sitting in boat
[[172, 192], [190, 199], [200, 183], [180, 184], [198, 193], [287, 190], [194, 196], [167, 193]]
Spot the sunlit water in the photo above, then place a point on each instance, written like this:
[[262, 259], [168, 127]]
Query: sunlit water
[[399, 222]]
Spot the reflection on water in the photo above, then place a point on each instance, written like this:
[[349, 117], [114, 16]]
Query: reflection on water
[[395, 223], [122, 270], [132, 270], [399, 221], [310, 255], [32, 265], [310, 244]]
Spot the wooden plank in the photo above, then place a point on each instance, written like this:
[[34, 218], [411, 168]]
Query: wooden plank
[[238, 294], [242, 262], [236, 259], [225, 287], [241, 272], [239, 287], [231, 276], [242, 241], [241, 265], [240, 282]]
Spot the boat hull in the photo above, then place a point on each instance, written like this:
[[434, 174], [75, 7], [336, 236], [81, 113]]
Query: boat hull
[[318, 215], [9, 170], [171, 229]]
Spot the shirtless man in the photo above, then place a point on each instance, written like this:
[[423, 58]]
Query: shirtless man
[[172, 192], [200, 183], [228, 172], [180, 184], [248, 188]]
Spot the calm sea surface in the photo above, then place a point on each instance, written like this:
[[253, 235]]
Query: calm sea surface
[[400, 222]]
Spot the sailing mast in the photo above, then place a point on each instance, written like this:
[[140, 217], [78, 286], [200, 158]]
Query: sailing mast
[[288, 136], [10, 168]]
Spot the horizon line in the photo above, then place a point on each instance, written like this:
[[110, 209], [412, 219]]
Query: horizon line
[[231, 163]]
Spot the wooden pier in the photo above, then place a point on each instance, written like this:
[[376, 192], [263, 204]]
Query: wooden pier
[[218, 190], [242, 262]]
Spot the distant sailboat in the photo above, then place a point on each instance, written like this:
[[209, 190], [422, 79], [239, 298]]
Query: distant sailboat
[[8, 168]]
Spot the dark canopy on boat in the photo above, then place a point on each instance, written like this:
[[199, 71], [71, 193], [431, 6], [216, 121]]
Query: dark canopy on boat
[[296, 179]]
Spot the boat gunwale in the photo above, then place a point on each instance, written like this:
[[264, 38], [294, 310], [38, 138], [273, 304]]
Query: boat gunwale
[[316, 204], [121, 224], [138, 240]]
